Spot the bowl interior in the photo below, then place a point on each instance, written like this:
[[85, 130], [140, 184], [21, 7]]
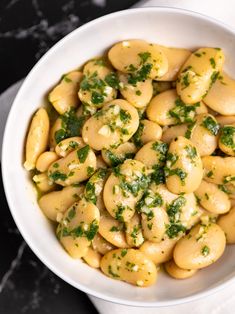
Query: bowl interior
[[171, 27]]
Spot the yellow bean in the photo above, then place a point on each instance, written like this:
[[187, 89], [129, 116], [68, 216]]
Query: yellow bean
[[37, 138]]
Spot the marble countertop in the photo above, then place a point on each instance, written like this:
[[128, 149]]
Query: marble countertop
[[28, 28]]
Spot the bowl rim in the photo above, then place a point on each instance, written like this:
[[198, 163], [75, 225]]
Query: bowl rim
[[33, 246]]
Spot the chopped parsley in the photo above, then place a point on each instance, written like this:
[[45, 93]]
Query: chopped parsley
[[173, 211], [205, 250], [114, 229], [174, 229], [188, 133], [214, 77], [82, 153], [135, 186], [228, 179], [110, 271], [119, 212], [123, 252], [175, 207], [66, 79], [182, 112], [73, 144], [168, 171], [191, 152], [212, 62], [224, 188], [211, 125], [161, 148], [97, 87], [90, 171], [158, 175], [185, 80], [55, 176], [90, 192], [71, 126], [209, 174], [112, 80], [227, 136], [144, 56], [148, 201], [138, 92], [93, 229], [116, 160], [71, 213], [125, 116], [78, 231], [97, 98], [140, 75], [137, 136]]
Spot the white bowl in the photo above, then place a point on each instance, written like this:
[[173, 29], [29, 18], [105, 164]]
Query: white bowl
[[166, 26]]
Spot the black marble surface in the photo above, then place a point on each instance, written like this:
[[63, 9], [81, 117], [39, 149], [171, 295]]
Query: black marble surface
[[28, 28]]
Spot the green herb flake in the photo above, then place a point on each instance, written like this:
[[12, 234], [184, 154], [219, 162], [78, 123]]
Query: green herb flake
[[205, 250], [97, 98], [211, 125], [228, 179], [66, 79], [175, 207], [174, 229], [71, 126], [227, 136], [185, 80], [125, 116], [119, 212], [183, 113], [123, 252], [209, 174], [138, 93], [73, 144], [158, 175], [114, 159], [90, 192], [224, 188], [191, 152], [71, 213], [55, 176], [92, 231], [214, 77], [137, 136], [100, 62], [140, 75], [82, 153], [114, 229], [112, 80], [144, 56], [110, 271], [212, 62], [190, 127], [161, 148], [90, 171]]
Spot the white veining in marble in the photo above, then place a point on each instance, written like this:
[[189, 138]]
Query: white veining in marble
[[11, 3], [99, 3], [13, 266], [36, 297], [43, 33]]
